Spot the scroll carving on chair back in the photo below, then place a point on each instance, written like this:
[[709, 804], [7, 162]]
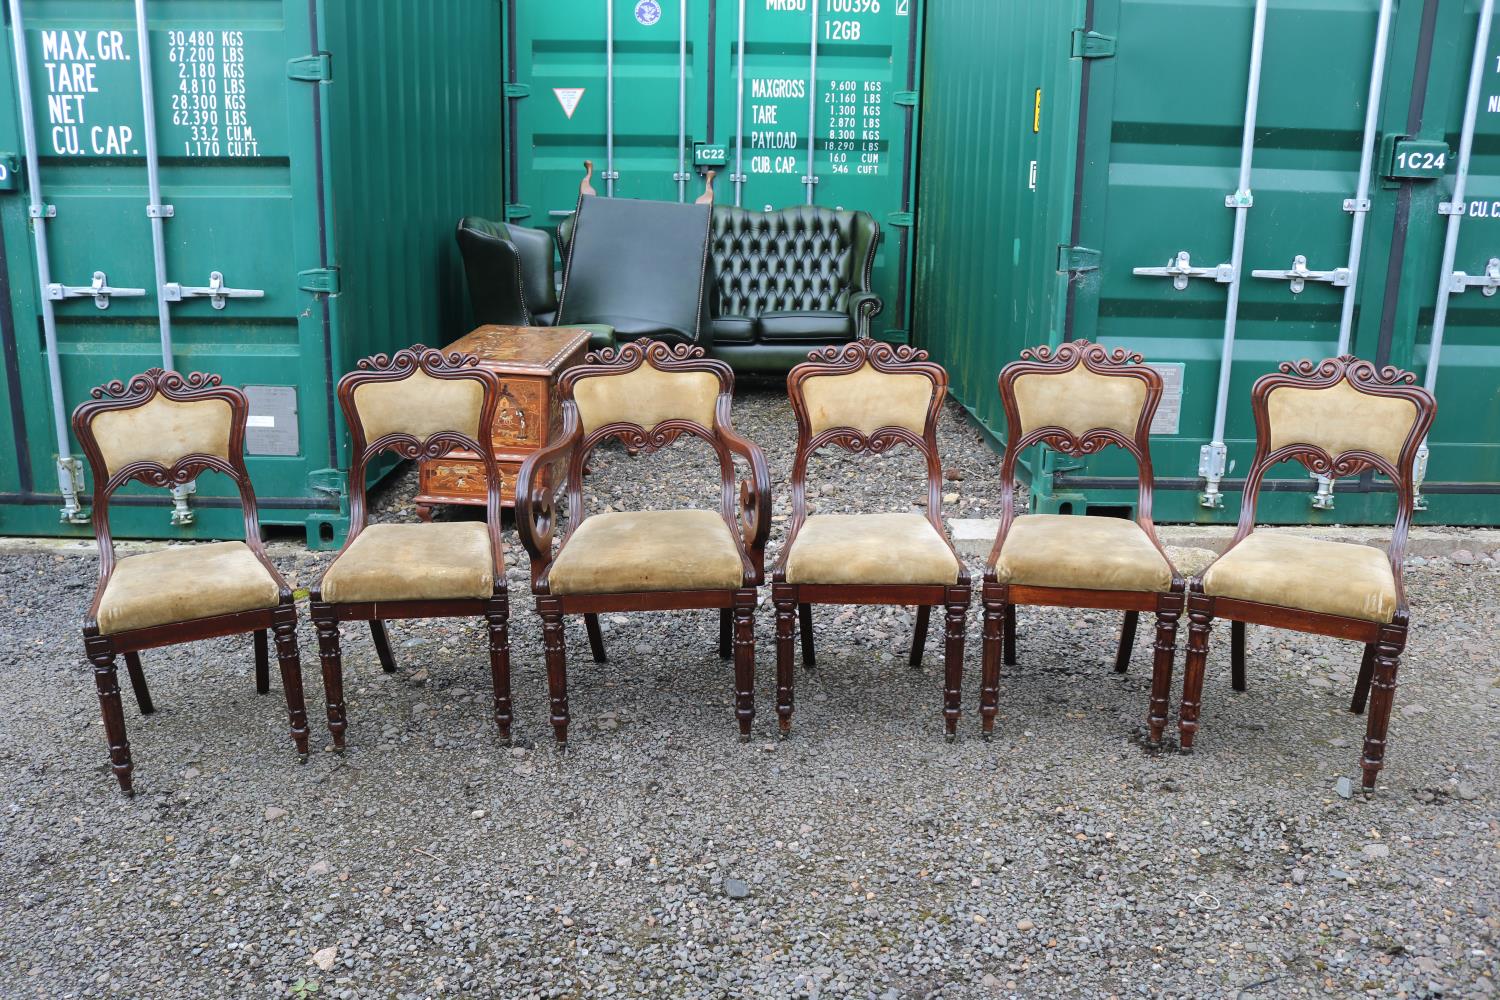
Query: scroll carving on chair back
[[642, 394], [1078, 397], [420, 406], [866, 397], [419, 403], [1339, 417], [164, 429]]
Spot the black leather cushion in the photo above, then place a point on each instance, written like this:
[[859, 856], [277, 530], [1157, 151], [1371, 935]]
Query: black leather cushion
[[509, 271], [822, 326], [638, 266], [800, 258], [734, 330]]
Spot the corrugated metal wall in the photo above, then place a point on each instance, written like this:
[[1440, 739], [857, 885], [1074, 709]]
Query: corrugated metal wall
[[994, 186]]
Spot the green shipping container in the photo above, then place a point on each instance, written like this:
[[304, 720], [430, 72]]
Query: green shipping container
[[312, 157], [1081, 176], [658, 92]]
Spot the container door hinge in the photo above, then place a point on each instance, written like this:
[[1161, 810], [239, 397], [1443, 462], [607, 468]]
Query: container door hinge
[[319, 279], [515, 91], [1488, 282], [517, 211], [330, 481], [316, 68], [1092, 45], [1073, 259], [906, 98], [903, 220]]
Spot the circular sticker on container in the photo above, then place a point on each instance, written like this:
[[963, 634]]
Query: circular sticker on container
[[648, 12]]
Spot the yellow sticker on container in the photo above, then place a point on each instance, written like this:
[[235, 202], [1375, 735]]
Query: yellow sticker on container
[[1036, 112]]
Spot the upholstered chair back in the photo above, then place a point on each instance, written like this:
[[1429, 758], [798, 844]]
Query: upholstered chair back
[[1080, 400], [867, 399], [420, 405], [163, 431], [645, 397], [1340, 418]]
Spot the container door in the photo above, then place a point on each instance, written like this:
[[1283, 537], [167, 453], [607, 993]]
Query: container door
[[1464, 461], [856, 97], [1158, 197], [240, 177]]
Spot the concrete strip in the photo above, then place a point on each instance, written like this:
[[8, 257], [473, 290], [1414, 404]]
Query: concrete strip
[[975, 536]]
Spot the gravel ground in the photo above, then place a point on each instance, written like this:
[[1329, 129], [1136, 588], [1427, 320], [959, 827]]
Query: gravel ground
[[864, 857]]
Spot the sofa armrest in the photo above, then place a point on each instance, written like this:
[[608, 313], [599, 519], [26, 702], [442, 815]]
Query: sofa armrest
[[863, 308]]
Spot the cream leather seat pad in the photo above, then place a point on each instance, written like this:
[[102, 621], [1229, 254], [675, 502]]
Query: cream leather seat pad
[[413, 562], [183, 584], [620, 552], [870, 549], [1082, 553], [1290, 571]]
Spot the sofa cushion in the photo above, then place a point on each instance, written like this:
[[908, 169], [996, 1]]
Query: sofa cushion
[[184, 584], [1082, 553], [623, 552], [444, 560], [812, 325], [870, 550], [1331, 578], [734, 330]]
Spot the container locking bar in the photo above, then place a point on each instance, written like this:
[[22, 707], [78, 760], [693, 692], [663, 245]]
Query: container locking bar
[[100, 289], [1488, 282], [216, 291], [1180, 269], [69, 469], [1299, 275]]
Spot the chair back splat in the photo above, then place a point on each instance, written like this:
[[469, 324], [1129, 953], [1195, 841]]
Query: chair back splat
[[419, 403], [1339, 417], [164, 429], [1078, 398], [866, 397]]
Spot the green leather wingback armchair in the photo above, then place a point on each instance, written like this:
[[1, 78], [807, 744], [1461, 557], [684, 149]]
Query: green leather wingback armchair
[[785, 282]]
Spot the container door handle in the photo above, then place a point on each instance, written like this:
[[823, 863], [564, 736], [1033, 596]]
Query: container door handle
[[1299, 275], [1488, 282], [1180, 269], [216, 291], [100, 289]]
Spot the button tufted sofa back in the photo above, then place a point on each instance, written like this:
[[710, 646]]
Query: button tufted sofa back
[[804, 258]]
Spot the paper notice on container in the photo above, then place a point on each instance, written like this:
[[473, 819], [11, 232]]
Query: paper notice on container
[[1169, 413], [568, 97]]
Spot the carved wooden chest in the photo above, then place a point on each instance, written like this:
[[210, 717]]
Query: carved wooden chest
[[528, 360]]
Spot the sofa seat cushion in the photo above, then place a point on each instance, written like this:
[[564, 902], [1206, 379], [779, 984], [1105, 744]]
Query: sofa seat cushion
[[812, 325], [441, 561], [183, 584], [734, 330], [1082, 553], [643, 551], [1331, 578], [870, 549]]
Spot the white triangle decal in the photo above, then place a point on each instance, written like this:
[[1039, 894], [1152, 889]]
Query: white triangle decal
[[568, 97]]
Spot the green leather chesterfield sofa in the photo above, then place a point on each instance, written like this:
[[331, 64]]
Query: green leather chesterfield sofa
[[789, 281], [781, 283]]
